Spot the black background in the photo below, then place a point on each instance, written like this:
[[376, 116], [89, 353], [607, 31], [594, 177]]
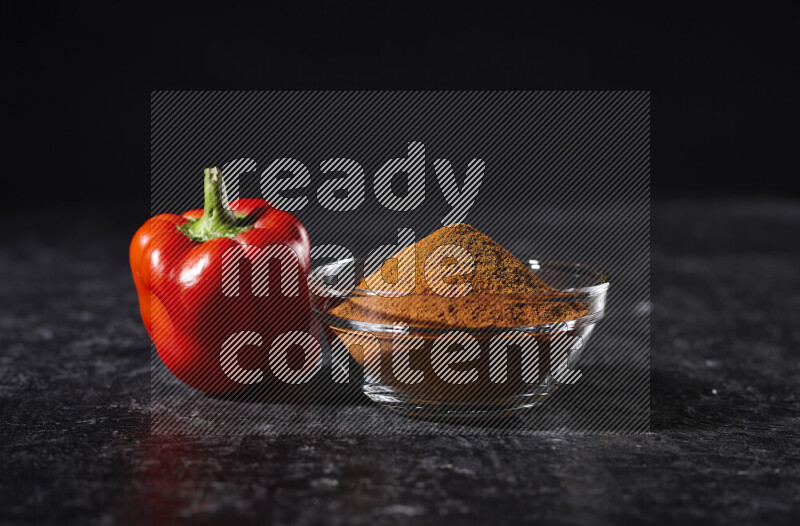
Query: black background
[[719, 81]]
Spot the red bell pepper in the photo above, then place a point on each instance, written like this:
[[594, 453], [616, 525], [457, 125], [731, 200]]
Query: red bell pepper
[[177, 264]]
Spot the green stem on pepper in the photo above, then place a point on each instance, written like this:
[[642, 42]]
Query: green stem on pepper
[[217, 220]]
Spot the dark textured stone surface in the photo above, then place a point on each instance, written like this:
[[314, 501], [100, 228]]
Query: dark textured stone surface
[[724, 447]]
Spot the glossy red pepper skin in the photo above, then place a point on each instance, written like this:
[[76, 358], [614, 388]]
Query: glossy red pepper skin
[[186, 313]]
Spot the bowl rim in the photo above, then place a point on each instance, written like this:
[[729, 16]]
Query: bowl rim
[[598, 289]]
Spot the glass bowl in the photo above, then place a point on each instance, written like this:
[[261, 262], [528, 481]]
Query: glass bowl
[[445, 371]]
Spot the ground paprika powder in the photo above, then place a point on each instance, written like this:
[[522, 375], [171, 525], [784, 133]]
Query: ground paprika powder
[[504, 292]]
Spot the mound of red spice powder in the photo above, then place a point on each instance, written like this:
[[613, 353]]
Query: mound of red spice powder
[[504, 292]]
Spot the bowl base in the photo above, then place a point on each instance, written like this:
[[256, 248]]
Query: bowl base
[[438, 410]]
